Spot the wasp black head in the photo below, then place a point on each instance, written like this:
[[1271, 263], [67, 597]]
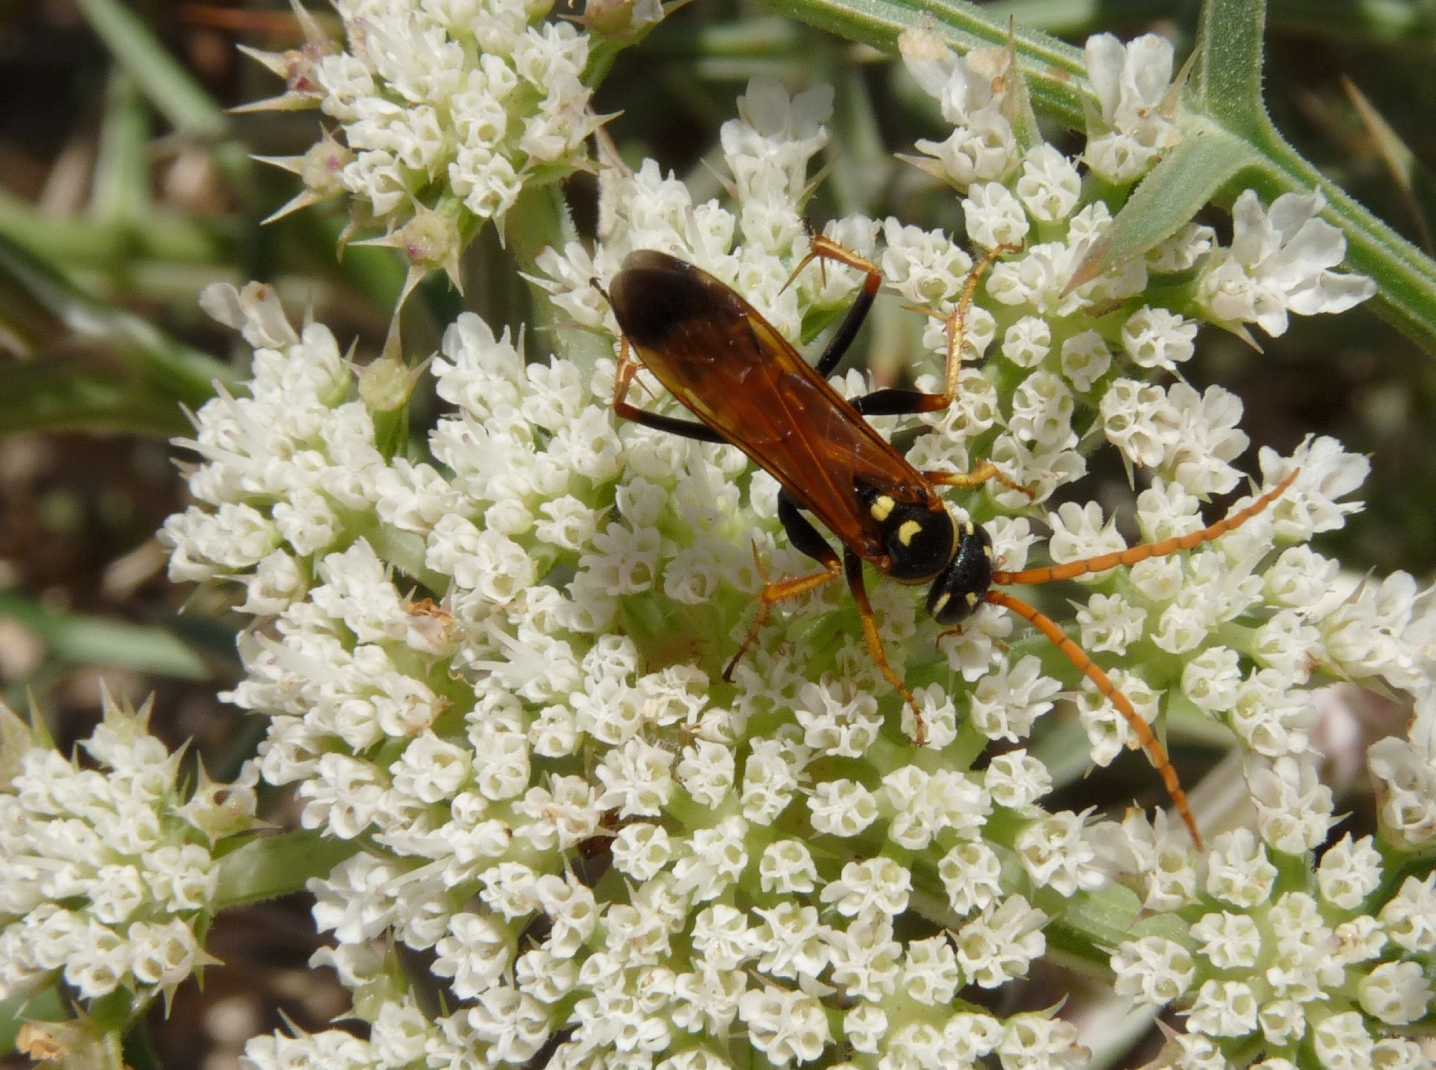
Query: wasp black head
[[960, 587], [918, 537], [655, 293]]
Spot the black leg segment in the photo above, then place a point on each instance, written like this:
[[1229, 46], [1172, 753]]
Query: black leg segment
[[895, 402], [686, 428], [848, 329], [802, 534]]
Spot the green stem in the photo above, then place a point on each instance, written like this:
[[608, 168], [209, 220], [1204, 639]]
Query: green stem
[[1226, 98], [1055, 74]]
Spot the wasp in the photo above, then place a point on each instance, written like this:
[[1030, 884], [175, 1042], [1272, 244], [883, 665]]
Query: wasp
[[749, 388]]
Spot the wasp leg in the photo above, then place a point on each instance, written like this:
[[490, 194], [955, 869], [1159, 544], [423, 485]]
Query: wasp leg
[[1133, 554], [853, 566], [805, 537], [897, 402], [824, 248], [977, 477], [627, 369]]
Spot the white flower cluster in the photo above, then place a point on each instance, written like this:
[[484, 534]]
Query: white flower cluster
[[1084, 360], [613, 857], [1325, 963], [1025, 193], [109, 870], [447, 110]]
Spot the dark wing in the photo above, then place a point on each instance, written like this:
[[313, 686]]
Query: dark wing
[[738, 375]]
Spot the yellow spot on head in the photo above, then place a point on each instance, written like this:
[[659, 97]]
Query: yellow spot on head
[[881, 508], [967, 528], [988, 551], [972, 599], [942, 600], [907, 531]]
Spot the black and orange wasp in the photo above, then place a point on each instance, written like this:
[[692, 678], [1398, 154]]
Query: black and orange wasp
[[751, 389]]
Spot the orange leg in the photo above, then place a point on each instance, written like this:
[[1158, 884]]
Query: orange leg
[[898, 402], [1085, 665], [853, 565], [623, 382], [1133, 554], [824, 248], [771, 595], [957, 321], [977, 477]]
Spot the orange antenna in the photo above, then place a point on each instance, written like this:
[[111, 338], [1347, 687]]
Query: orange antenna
[[1130, 556], [1090, 669]]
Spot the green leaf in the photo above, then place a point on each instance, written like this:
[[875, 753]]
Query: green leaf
[[117, 372], [1401, 162], [121, 187], [1182, 184], [1093, 922], [164, 82], [43, 1006], [271, 866], [99, 641], [76, 395]]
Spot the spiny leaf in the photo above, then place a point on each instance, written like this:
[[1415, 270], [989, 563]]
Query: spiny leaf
[[1183, 183]]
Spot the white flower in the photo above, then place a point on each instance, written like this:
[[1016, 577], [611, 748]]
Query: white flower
[[1229, 941], [489, 663], [476, 953], [1049, 186], [982, 146], [1017, 780], [1224, 1009], [1158, 338], [1349, 871], [1057, 855], [879, 885], [1138, 419], [1238, 869], [924, 806], [994, 216], [117, 847], [439, 104], [791, 942], [1396, 992], [642, 850], [1153, 970], [970, 873], [1406, 774], [1279, 262], [1037, 1039], [1131, 82], [1000, 943], [1342, 1042], [865, 958], [784, 1026], [1410, 916], [1027, 341], [1006, 702]]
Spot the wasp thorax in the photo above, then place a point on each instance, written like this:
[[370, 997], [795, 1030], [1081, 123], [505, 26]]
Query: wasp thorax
[[962, 585], [918, 538]]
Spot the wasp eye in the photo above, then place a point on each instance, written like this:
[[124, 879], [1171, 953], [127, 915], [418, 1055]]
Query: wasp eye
[[961, 587]]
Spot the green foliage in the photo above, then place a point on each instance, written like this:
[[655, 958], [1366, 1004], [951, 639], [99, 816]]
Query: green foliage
[[1230, 141]]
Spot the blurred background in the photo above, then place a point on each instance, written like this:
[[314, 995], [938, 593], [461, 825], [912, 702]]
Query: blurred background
[[126, 186]]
